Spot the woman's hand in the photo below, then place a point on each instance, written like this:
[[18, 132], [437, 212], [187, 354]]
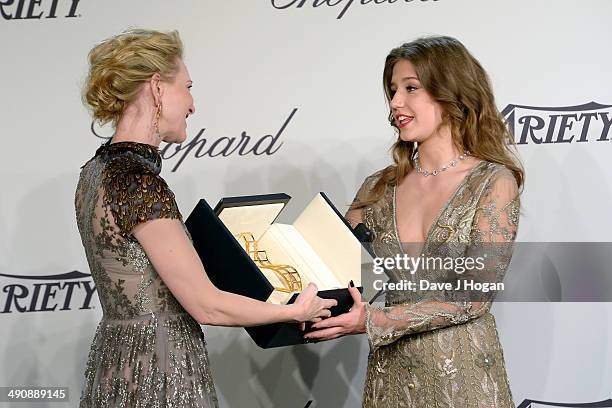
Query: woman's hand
[[311, 308], [352, 322]]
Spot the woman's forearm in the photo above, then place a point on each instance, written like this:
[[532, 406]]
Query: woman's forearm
[[178, 264], [228, 309]]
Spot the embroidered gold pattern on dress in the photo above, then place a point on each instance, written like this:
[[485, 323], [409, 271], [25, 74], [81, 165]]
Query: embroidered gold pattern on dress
[[147, 351], [426, 352]]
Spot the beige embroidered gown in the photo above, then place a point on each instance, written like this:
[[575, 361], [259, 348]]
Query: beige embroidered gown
[[147, 351], [433, 351]]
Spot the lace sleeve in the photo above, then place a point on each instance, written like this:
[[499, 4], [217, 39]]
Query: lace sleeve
[[355, 217], [136, 195], [495, 224]]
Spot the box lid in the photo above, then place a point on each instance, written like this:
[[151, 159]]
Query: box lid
[[252, 214]]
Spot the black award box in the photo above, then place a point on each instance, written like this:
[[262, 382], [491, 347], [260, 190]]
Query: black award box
[[244, 251]]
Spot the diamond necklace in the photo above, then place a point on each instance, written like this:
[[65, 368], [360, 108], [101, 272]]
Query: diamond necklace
[[435, 172]]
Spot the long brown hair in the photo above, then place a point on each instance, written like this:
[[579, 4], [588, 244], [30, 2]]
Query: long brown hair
[[457, 81]]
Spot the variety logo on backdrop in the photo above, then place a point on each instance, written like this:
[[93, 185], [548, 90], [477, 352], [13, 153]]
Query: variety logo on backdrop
[[38, 9], [205, 146], [342, 5], [542, 125], [31, 293]]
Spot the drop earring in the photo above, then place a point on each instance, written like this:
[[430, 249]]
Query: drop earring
[[156, 122]]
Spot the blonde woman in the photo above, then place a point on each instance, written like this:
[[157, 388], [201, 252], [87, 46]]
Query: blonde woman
[[451, 192], [149, 350]]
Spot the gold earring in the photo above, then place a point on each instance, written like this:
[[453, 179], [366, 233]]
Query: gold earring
[[156, 122]]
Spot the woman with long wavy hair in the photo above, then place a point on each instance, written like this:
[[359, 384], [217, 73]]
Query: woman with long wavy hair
[[452, 193]]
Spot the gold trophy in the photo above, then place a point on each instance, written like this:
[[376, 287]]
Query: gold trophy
[[286, 273]]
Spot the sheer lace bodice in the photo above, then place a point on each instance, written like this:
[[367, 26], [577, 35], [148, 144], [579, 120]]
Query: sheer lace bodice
[[430, 350], [147, 351]]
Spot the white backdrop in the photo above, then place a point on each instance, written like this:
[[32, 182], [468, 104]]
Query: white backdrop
[[252, 64]]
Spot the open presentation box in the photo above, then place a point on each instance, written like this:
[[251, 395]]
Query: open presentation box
[[244, 251]]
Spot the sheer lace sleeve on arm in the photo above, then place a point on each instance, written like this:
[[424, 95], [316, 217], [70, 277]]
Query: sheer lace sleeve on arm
[[495, 224]]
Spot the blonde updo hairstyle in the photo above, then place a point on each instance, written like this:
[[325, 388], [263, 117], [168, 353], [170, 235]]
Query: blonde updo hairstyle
[[120, 65]]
